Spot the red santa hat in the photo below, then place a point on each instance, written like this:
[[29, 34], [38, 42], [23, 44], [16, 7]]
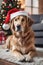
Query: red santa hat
[[11, 14]]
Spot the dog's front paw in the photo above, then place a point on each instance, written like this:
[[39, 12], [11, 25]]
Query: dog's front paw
[[28, 57], [20, 58]]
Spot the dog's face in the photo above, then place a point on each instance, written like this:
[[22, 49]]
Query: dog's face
[[20, 24]]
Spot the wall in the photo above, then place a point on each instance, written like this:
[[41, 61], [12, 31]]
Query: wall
[[41, 6]]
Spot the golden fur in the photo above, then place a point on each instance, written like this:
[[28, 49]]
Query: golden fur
[[22, 43]]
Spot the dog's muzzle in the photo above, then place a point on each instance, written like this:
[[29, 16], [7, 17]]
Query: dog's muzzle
[[18, 27]]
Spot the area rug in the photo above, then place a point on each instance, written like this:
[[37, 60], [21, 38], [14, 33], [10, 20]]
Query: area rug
[[9, 57]]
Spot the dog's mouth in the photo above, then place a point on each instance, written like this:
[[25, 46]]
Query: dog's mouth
[[18, 28]]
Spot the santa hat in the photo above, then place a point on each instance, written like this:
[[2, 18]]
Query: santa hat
[[11, 14]]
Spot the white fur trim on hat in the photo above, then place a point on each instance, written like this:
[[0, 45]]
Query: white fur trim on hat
[[6, 26], [18, 13]]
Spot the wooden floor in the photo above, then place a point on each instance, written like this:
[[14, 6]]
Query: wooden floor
[[4, 62]]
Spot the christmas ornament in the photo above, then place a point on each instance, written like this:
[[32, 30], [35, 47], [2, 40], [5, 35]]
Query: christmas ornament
[[4, 3]]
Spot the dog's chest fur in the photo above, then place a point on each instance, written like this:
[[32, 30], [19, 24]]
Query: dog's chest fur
[[17, 44], [22, 43]]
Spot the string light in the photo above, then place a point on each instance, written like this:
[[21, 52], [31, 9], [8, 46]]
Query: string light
[[22, 3]]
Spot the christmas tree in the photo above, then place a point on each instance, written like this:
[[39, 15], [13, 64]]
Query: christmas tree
[[6, 6]]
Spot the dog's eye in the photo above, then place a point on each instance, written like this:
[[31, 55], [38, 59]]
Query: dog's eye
[[15, 19], [22, 19], [18, 17]]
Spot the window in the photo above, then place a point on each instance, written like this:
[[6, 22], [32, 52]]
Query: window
[[35, 7], [32, 6], [28, 6]]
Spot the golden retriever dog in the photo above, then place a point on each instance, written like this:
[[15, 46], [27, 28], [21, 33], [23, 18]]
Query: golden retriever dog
[[21, 42]]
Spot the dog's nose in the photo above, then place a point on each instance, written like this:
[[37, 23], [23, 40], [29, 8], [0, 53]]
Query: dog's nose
[[18, 27]]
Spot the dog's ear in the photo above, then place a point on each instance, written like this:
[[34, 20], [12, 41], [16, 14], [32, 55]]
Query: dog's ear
[[12, 26], [30, 21]]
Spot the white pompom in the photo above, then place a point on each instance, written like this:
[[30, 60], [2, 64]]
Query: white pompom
[[5, 26]]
